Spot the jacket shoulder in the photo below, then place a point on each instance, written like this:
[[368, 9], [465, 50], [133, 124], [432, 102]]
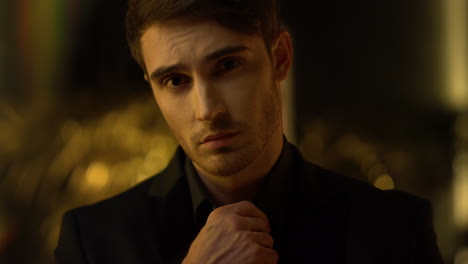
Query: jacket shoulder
[[379, 221], [120, 201], [357, 191], [125, 221]]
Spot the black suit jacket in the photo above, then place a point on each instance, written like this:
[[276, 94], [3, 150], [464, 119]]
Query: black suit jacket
[[330, 219]]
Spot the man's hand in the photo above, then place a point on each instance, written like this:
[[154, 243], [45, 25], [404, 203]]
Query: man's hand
[[235, 233]]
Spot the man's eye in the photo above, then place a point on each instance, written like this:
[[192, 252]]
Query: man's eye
[[176, 81], [228, 65]]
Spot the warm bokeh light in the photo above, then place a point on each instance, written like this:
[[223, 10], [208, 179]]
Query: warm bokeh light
[[461, 257], [384, 182], [460, 189], [97, 175], [346, 153], [460, 170], [81, 162], [456, 53]]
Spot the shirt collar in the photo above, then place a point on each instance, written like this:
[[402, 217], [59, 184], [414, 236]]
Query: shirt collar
[[198, 191]]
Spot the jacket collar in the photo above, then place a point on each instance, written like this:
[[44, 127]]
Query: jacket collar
[[164, 182]]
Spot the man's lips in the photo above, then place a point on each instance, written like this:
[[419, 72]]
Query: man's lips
[[218, 136], [219, 140]]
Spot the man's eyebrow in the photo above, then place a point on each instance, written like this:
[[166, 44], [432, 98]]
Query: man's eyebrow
[[212, 56], [225, 51]]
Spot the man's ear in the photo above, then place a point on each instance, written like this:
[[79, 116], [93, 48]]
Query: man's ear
[[146, 78], [281, 52]]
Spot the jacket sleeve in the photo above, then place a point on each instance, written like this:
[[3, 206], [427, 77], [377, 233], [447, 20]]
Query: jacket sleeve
[[69, 249]]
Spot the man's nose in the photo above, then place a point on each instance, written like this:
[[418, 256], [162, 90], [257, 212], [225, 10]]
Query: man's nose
[[207, 101]]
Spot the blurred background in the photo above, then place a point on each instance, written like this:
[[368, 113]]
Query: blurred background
[[379, 92]]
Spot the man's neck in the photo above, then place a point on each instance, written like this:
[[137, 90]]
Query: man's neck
[[244, 184]]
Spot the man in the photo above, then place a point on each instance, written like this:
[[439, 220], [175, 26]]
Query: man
[[236, 191]]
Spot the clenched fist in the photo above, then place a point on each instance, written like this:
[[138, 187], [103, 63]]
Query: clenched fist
[[235, 233]]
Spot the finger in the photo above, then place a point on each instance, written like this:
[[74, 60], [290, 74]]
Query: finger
[[260, 238], [247, 209], [264, 255], [235, 222], [270, 256], [254, 224]]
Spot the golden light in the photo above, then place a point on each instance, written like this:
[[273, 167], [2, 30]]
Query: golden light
[[460, 190], [460, 173], [97, 175], [461, 257], [384, 182], [456, 54]]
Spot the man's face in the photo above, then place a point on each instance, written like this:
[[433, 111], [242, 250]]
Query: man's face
[[218, 91]]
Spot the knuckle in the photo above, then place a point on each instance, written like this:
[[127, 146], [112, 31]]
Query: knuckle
[[257, 249], [233, 221], [214, 215], [270, 256], [247, 236], [260, 254], [263, 226], [274, 256], [219, 212], [248, 204], [269, 239]]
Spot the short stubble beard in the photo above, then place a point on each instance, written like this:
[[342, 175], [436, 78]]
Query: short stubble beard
[[228, 161]]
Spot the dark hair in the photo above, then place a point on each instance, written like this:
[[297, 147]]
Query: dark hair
[[242, 16]]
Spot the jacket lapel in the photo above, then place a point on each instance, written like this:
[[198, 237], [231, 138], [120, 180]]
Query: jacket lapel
[[316, 222], [173, 212]]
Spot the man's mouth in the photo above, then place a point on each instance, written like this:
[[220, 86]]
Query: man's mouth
[[219, 139], [217, 136]]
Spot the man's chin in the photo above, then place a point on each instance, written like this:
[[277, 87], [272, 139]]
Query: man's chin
[[223, 162], [219, 152]]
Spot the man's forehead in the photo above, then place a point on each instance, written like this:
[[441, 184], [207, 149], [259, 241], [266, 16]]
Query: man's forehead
[[174, 40], [176, 35]]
